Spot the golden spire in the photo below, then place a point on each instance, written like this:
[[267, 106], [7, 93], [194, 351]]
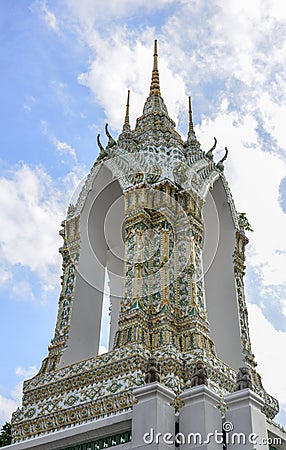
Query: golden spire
[[126, 125], [155, 83], [127, 109], [191, 125]]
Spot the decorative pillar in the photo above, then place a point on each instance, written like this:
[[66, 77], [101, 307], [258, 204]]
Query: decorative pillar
[[245, 421], [239, 271], [200, 420], [153, 421]]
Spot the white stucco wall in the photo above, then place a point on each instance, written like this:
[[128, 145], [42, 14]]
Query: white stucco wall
[[100, 234], [221, 297]]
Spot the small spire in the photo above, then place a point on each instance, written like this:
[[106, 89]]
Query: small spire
[[191, 125], [155, 83], [126, 125], [191, 139]]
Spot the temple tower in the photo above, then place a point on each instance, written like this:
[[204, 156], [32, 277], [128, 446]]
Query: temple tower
[[156, 219]]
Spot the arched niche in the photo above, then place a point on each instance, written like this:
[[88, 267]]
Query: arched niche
[[101, 254], [220, 287]]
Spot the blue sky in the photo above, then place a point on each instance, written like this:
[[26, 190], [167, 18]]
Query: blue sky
[[65, 70]]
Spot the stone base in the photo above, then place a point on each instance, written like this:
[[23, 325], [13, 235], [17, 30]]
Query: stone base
[[104, 385]]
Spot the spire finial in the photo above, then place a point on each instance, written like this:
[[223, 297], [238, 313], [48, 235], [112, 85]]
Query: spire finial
[[155, 83], [191, 125], [126, 125]]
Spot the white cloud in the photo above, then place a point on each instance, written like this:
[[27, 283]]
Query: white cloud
[[26, 372], [28, 203], [254, 178], [239, 47], [32, 208], [273, 114], [268, 345], [231, 46], [40, 8], [5, 276], [8, 404], [63, 96], [22, 289], [7, 407], [29, 103], [89, 11], [47, 15], [62, 147], [226, 43]]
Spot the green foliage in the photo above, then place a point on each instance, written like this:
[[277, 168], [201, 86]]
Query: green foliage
[[5, 436], [244, 222]]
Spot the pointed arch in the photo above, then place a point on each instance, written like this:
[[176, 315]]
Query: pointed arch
[[101, 250], [219, 217]]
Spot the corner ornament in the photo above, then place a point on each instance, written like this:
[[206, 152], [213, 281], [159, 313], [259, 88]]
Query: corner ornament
[[220, 165], [209, 154], [243, 379], [200, 375], [103, 152], [111, 141], [153, 372]]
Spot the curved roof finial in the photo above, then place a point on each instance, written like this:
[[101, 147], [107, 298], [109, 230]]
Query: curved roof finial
[[111, 141], [126, 125], [220, 165], [209, 154], [155, 83], [101, 148], [191, 125], [102, 152]]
